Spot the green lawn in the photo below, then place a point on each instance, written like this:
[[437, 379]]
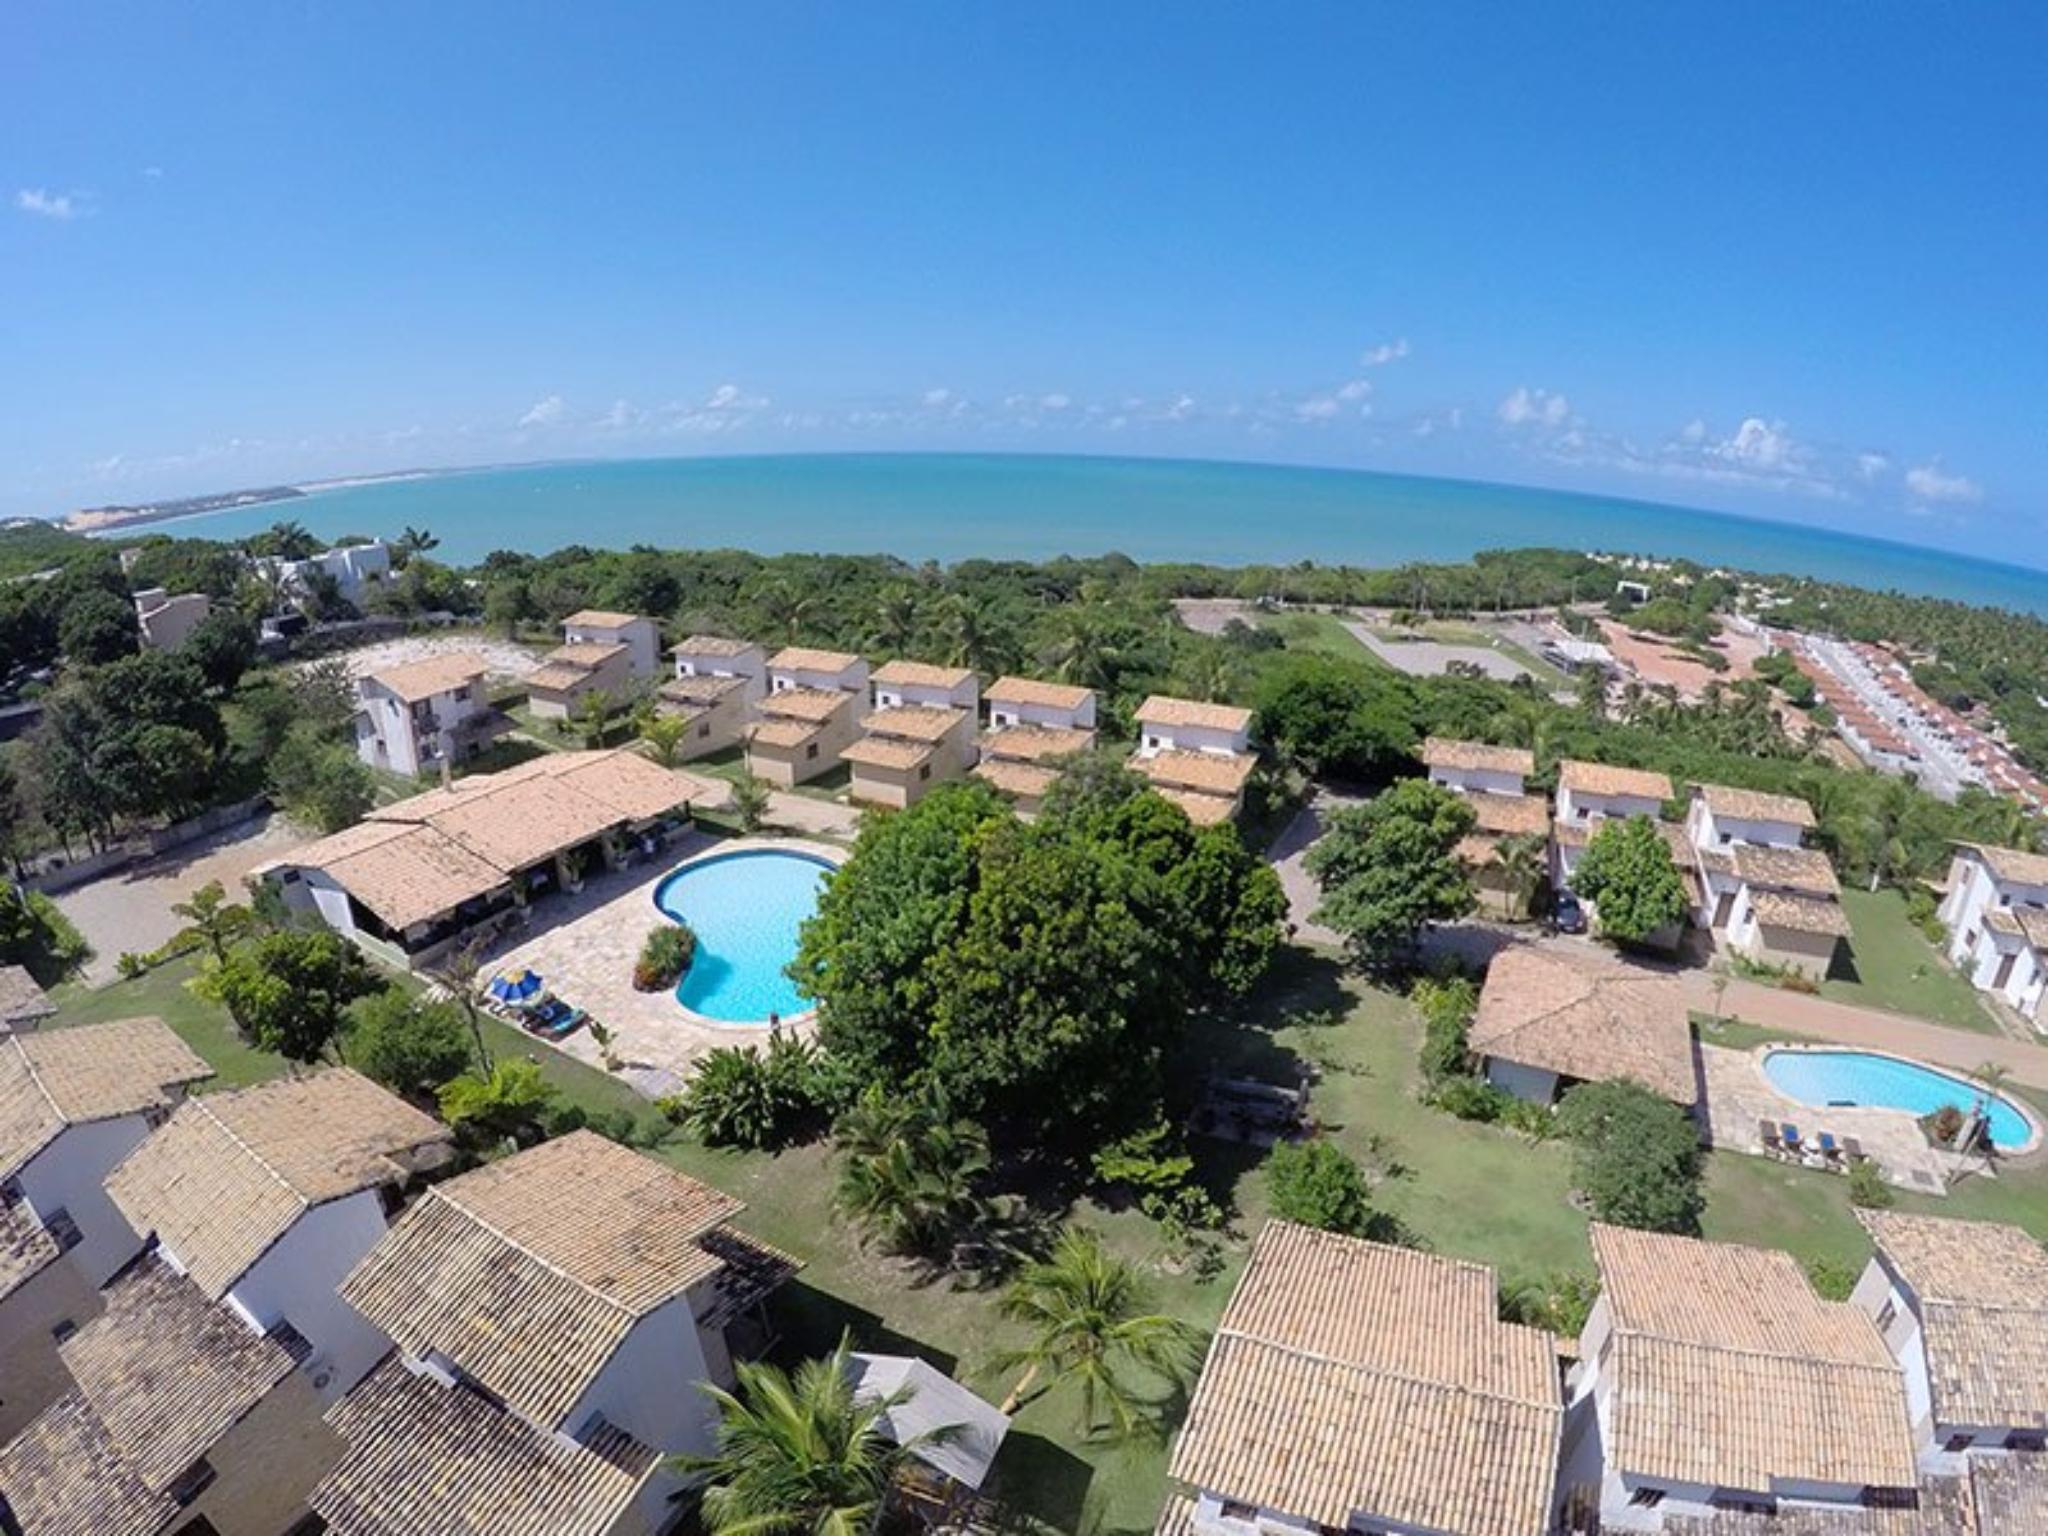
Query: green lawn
[[1892, 965], [202, 1025], [1322, 633]]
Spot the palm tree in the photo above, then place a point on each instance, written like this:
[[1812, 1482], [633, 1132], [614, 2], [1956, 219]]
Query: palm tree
[[896, 620], [290, 541], [417, 541], [910, 1172], [1521, 865], [1085, 1309], [784, 608], [750, 801], [593, 717], [213, 917], [1991, 1077], [456, 972], [663, 736], [802, 1454], [976, 637]]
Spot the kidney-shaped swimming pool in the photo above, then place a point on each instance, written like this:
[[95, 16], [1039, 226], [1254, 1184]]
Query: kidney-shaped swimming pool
[[1863, 1079], [745, 908]]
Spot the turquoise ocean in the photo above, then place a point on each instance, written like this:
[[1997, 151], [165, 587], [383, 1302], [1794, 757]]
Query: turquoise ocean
[[957, 506]]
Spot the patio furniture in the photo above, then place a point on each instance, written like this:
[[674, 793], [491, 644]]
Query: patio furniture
[[1829, 1148], [1789, 1133], [552, 1019], [520, 986], [1769, 1135], [1854, 1149]]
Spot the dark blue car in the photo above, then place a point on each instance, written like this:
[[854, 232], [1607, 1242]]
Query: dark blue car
[[1568, 916]]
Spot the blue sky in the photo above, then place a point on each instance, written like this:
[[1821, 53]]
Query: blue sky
[[1779, 260]]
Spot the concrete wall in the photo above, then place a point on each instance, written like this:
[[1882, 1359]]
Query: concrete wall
[[1485, 781], [1810, 954], [32, 1373], [718, 727], [1011, 712], [853, 680], [296, 1280], [649, 1389], [1192, 738], [70, 1175], [1590, 808], [267, 1464], [750, 664]]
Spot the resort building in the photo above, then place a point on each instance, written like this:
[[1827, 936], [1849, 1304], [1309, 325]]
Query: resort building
[[1963, 1308], [23, 1004], [1033, 728], [1996, 911], [353, 568], [605, 653], [1353, 1386], [197, 1391], [426, 715], [1027, 701], [420, 875], [73, 1103], [921, 733], [1550, 1018], [1713, 1384], [1591, 793], [1760, 891], [919, 685], [1491, 780], [1197, 755], [810, 715], [640, 637], [716, 685], [556, 1314], [166, 621]]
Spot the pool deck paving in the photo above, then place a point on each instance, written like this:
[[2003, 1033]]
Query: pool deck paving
[[587, 961]]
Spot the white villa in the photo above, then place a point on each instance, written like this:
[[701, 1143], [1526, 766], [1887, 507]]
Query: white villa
[[1551, 1017], [640, 637], [1760, 890], [166, 621], [1996, 911], [1963, 1307], [716, 685], [197, 1391], [1353, 1386], [555, 1315], [1591, 793], [73, 1103], [608, 653], [417, 876], [425, 715], [1714, 1384], [1491, 779], [921, 733], [1032, 728], [809, 716], [1197, 755], [356, 568]]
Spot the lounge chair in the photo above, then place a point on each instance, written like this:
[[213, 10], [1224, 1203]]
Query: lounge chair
[[552, 1019], [1773, 1144], [1829, 1147], [1854, 1149], [1789, 1134]]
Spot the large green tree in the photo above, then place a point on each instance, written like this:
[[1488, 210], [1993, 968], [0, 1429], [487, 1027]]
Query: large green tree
[[1334, 719], [1388, 868], [410, 1045], [1627, 871], [1636, 1157], [290, 991]]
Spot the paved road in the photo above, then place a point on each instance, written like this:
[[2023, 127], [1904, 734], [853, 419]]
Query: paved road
[[1428, 658]]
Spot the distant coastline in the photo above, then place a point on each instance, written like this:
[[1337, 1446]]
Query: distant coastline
[[106, 519]]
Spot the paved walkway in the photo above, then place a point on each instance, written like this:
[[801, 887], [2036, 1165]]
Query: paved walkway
[[1431, 658], [1802, 1013], [1286, 855]]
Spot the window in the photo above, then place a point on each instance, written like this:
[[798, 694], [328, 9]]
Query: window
[[1887, 1315], [63, 1229], [291, 1341], [1645, 1498], [193, 1481], [924, 772], [704, 729], [811, 751], [1891, 1498], [2026, 1440], [1958, 1443], [63, 1330], [1744, 1503]]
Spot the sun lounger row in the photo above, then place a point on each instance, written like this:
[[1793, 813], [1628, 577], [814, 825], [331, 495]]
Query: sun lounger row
[[1783, 1139]]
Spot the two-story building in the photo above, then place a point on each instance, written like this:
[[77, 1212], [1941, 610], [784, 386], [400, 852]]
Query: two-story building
[[423, 715], [1353, 1386], [612, 654], [1197, 755], [355, 569], [556, 1314], [716, 685], [1996, 912], [920, 733], [639, 635], [198, 1390], [73, 1103], [810, 715], [1759, 889], [1591, 793], [1492, 779], [1033, 729], [1712, 1382]]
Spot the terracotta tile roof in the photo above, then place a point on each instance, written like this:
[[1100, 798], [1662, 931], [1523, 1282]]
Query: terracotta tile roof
[[417, 681], [1982, 1289], [586, 654], [1942, 1506], [1177, 1518], [784, 735], [2012, 864], [425, 1459], [1755, 805], [52, 1078], [2033, 924], [1728, 1370], [1792, 869], [1162, 710], [1035, 743], [815, 705], [62, 1476], [1349, 1377], [701, 690], [1799, 913], [887, 752], [1210, 773], [799, 658], [1029, 690], [1510, 815], [557, 677], [1203, 810], [530, 1271], [1586, 1017], [922, 674], [21, 1000], [914, 722], [406, 873], [167, 1372], [2009, 1495], [230, 1172], [712, 645], [26, 1249], [1608, 779], [1442, 752], [1027, 781], [599, 618]]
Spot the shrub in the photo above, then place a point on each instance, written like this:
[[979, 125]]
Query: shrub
[[1148, 1163], [1638, 1156], [36, 935], [664, 957], [1317, 1184], [1922, 911], [1946, 1125], [1867, 1186], [410, 1046], [1446, 1007], [1831, 1279], [1536, 1121], [743, 1096], [1559, 1302], [1470, 1098]]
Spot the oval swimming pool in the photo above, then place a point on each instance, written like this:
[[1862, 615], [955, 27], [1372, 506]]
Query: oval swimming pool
[[745, 907], [1864, 1080]]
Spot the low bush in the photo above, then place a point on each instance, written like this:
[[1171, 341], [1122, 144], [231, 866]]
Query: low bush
[[36, 935], [1637, 1161], [1559, 1302], [665, 957], [1446, 1007], [1923, 912], [1945, 1125], [1867, 1186], [1831, 1279], [1470, 1098], [742, 1096], [1317, 1184]]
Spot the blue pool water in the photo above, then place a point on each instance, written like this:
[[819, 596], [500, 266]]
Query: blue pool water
[[1822, 1078], [746, 908]]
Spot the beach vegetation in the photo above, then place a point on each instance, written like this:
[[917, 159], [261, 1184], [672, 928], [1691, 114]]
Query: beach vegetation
[[410, 1044], [1389, 868], [1636, 1158], [1628, 872], [1318, 1184]]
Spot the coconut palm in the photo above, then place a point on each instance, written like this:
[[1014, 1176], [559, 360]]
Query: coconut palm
[[894, 626], [417, 541], [801, 1454], [910, 1171], [1520, 859], [1085, 1309], [975, 636]]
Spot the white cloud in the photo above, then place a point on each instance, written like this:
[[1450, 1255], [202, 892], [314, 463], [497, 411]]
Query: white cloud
[[1386, 352], [45, 204], [622, 416], [1760, 445], [1181, 409], [153, 172], [1054, 401], [1528, 407], [1354, 391], [1932, 483], [935, 398], [1872, 466], [730, 397], [544, 413], [1321, 408]]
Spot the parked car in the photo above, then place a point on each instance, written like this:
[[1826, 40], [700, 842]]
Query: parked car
[[1566, 915]]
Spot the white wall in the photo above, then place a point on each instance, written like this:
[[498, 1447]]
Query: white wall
[[1535, 1084], [70, 1175], [649, 1388], [1486, 781], [1582, 806], [853, 680], [1193, 738], [1012, 712], [296, 1281], [640, 639], [749, 664], [965, 694]]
